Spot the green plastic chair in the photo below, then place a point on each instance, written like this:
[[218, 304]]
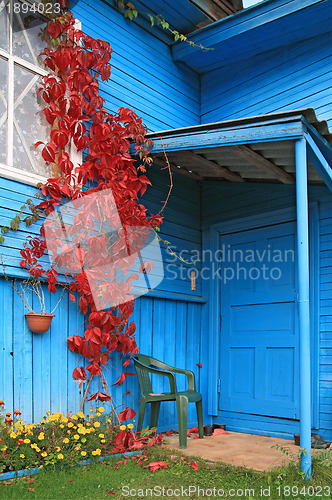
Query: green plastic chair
[[145, 365]]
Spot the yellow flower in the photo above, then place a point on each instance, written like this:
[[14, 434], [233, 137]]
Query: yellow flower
[[61, 426], [37, 449], [78, 447], [122, 427], [4, 448], [96, 424], [91, 409], [79, 425], [103, 441], [101, 409], [70, 424], [58, 448], [48, 412], [66, 440], [80, 414], [21, 455], [44, 454], [41, 436], [90, 416], [74, 417], [96, 452], [130, 426], [87, 424], [64, 419], [83, 453], [60, 456], [40, 466], [76, 436], [98, 414], [26, 441], [101, 435], [82, 430], [12, 435]]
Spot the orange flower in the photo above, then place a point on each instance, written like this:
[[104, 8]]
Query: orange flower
[[20, 441], [2, 402], [8, 420], [17, 412], [8, 414]]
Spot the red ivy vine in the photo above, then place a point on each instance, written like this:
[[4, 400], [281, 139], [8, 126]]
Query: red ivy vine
[[75, 112]]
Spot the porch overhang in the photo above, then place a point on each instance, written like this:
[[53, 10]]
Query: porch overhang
[[290, 148], [253, 149]]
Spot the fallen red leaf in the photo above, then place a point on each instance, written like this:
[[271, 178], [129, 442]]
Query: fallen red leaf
[[6, 482], [153, 466], [193, 429], [70, 480], [110, 493], [31, 480], [199, 365], [216, 432], [194, 466], [196, 437], [31, 489]]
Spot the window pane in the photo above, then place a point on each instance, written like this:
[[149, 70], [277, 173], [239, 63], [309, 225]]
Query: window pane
[[30, 124], [4, 31], [3, 109], [27, 42]]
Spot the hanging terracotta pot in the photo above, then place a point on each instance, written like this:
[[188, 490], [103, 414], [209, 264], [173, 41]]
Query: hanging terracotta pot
[[39, 323]]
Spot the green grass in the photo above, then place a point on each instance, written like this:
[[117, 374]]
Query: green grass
[[97, 481]]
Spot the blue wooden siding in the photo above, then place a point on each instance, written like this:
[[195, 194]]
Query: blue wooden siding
[[36, 370], [222, 202], [291, 77], [144, 76]]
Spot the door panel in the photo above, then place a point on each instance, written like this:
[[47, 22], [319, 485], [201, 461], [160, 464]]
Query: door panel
[[259, 333]]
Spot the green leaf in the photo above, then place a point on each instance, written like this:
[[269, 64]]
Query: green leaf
[[135, 13], [151, 19], [2, 239]]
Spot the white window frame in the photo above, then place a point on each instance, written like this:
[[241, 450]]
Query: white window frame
[[8, 170]]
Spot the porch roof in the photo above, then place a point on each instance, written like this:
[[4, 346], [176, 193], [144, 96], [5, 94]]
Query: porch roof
[[254, 149]]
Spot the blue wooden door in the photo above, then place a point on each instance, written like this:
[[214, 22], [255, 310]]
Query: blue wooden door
[[259, 326]]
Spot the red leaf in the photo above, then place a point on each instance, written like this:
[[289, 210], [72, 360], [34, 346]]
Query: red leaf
[[194, 466], [79, 373], [153, 466], [199, 365], [72, 297], [31, 480], [217, 432], [193, 429], [196, 437], [126, 414], [127, 392], [110, 493], [126, 363]]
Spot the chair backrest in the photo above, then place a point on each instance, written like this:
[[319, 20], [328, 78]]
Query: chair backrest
[[143, 376]]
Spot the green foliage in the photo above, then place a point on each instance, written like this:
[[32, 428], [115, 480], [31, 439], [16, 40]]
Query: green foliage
[[130, 12], [14, 224]]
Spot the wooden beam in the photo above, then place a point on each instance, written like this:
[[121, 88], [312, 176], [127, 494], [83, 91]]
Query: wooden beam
[[210, 166], [192, 175], [264, 164], [214, 9]]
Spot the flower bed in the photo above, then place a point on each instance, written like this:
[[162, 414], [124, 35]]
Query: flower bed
[[66, 440]]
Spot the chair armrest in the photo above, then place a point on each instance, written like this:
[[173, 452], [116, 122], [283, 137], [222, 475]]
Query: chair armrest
[[166, 373], [190, 376]]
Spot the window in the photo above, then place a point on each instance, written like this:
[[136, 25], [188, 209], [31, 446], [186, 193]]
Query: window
[[21, 120]]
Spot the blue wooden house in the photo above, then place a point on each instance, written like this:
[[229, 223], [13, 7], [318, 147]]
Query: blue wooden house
[[245, 128]]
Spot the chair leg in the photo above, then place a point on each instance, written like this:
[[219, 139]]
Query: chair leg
[[182, 408], [199, 409], [141, 416], [154, 414]]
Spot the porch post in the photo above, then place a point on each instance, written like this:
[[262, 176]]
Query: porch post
[[303, 300]]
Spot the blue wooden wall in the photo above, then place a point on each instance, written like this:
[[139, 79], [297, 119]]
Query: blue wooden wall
[[36, 370], [292, 77], [225, 202], [144, 77]]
